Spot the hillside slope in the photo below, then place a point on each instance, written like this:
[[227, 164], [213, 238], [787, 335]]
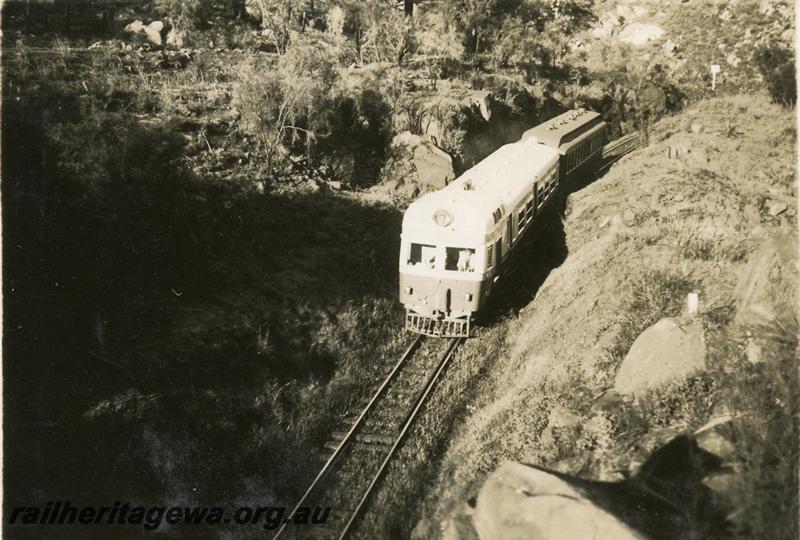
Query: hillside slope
[[677, 36], [718, 220]]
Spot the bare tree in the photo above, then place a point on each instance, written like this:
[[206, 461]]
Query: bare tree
[[437, 44], [280, 18]]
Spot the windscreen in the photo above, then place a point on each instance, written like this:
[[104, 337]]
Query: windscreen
[[422, 255], [460, 259]]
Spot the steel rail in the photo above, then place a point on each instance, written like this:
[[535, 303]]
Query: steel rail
[[628, 143], [357, 424], [632, 139], [406, 426]]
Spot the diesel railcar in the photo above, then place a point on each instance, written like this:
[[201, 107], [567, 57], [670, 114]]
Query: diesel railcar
[[458, 241]]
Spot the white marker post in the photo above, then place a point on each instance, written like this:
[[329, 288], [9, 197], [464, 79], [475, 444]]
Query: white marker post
[[693, 301], [714, 71]]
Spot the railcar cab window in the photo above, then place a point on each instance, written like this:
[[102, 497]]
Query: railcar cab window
[[422, 255], [460, 259]]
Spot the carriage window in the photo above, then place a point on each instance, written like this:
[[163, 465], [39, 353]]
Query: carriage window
[[422, 255], [521, 219], [489, 255], [460, 259]]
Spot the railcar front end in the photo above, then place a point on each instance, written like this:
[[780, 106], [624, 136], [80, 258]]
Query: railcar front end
[[441, 285]]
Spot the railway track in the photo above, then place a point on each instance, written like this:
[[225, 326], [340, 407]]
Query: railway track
[[362, 452], [614, 150]]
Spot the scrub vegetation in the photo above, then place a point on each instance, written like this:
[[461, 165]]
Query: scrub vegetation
[[200, 265], [627, 267]]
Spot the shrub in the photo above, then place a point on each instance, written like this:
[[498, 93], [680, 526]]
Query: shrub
[[776, 65], [509, 41], [471, 18], [390, 36], [438, 45], [264, 107], [279, 18], [655, 294], [185, 13], [307, 106], [288, 107]]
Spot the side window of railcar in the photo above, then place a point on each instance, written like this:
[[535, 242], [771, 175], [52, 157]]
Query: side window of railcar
[[460, 259], [422, 254], [489, 255]]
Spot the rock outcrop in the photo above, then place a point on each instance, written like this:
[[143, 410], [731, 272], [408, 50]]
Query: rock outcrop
[[767, 273], [416, 164], [155, 32], [665, 352], [523, 502], [562, 424], [640, 33], [666, 499], [472, 123]]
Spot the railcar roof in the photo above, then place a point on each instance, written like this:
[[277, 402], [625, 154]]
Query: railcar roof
[[503, 178], [558, 130]]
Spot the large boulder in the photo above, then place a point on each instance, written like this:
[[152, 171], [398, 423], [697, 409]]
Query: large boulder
[[471, 123], [766, 284], [522, 502], [135, 27], [640, 33], [416, 164], [482, 100], [665, 499], [766, 291], [155, 32], [667, 351], [562, 425]]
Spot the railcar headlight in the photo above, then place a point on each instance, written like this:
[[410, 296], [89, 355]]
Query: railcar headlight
[[408, 290], [468, 297], [442, 218]]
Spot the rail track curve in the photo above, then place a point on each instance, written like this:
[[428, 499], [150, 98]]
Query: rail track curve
[[361, 455]]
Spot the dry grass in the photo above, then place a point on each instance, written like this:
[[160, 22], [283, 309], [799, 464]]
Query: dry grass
[[765, 402], [639, 239]]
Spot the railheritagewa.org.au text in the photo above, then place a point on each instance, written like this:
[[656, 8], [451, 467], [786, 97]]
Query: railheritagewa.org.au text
[[152, 517]]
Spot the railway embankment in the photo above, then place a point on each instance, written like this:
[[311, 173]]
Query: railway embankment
[[705, 209]]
